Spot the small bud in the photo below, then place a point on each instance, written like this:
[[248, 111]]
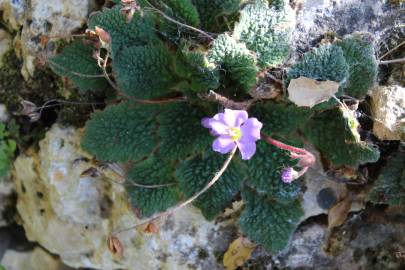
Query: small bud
[[288, 175]]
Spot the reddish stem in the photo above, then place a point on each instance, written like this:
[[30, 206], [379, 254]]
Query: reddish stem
[[283, 146]]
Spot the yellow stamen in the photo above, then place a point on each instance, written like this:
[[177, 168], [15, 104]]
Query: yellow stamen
[[235, 133]]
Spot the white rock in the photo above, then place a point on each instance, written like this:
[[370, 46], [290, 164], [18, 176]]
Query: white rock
[[72, 215], [52, 18], [38, 259], [388, 111]]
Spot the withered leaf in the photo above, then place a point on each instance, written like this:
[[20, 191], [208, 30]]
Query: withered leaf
[[307, 92]]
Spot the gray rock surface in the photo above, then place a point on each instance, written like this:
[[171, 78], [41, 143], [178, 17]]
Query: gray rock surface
[[315, 18]]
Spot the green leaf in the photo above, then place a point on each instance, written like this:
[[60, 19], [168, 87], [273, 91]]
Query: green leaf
[[139, 31], [267, 222], [194, 67], [363, 67], [185, 10], [216, 14], [143, 71], [281, 118], [77, 63], [121, 132], [237, 61], [194, 174], [181, 132], [264, 173], [324, 63], [152, 171], [267, 31], [390, 185], [334, 133]]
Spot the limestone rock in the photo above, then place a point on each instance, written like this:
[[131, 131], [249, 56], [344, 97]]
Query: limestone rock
[[72, 214], [13, 12], [38, 259], [52, 18], [388, 110]]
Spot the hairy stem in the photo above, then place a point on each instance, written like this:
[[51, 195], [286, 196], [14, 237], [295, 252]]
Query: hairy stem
[[283, 146], [188, 201]]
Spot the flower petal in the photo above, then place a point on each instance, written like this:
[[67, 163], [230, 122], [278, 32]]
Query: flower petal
[[247, 149], [234, 118], [251, 130], [223, 144], [218, 127]]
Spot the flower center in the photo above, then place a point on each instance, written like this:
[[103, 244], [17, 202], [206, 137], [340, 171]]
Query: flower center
[[235, 133]]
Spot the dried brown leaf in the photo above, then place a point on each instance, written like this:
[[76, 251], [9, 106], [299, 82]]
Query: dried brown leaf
[[238, 253], [338, 213], [307, 92]]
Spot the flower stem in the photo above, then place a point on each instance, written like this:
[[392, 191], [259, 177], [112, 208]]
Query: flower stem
[[283, 146], [188, 201]]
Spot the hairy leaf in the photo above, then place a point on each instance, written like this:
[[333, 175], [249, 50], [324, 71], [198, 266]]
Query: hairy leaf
[[139, 31], [152, 171], [264, 173], [363, 68], [237, 61], [194, 67], [121, 132], [335, 134], [185, 10], [267, 31], [281, 118], [213, 12], [324, 63], [181, 132], [267, 222], [143, 71], [77, 63], [195, 173]]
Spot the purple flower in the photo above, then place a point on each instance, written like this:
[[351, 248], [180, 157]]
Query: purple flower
[[233, 128], [288, 175]]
